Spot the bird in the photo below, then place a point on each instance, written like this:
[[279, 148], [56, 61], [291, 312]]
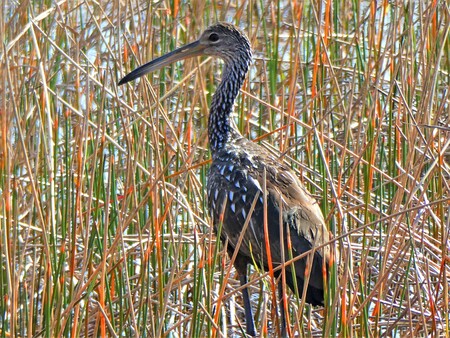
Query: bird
[[256, 202]]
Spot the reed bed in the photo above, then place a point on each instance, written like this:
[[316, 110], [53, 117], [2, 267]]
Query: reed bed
[[104, 225]]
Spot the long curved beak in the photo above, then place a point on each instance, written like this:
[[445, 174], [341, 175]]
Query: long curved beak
[[187, 51]]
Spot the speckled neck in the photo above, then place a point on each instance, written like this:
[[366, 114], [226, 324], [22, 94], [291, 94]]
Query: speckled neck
[[233, 76]]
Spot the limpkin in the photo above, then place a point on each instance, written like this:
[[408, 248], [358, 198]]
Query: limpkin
[[248, 186]]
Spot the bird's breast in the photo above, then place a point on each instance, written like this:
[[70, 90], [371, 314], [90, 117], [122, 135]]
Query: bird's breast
[[235, 197]]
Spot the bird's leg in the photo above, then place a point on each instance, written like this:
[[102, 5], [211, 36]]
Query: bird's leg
[[248, 308], [283, 313], [240, 264]]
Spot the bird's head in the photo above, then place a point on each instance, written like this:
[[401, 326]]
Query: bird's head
[[222, 40], [225, 41]]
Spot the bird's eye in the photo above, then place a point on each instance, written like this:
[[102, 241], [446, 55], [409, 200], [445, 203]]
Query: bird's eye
[[214, 37]]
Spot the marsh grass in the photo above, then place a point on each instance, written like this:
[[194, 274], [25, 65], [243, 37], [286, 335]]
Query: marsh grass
[[104, 225]]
